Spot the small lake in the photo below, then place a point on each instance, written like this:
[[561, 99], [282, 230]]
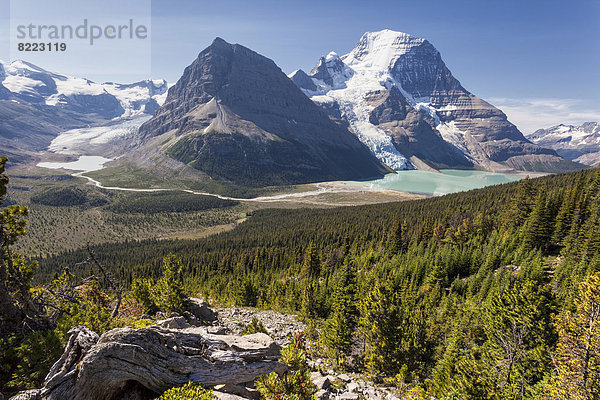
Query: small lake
[[84, 163], [434, 183]]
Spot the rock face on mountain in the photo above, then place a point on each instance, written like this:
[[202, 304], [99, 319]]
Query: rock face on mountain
[[578, 143], [4, 92], [402, 101], [36, 105], [142, 363], [236, 116]]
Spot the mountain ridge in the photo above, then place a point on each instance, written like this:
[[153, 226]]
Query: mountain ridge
[[474, 132], [579, 143]]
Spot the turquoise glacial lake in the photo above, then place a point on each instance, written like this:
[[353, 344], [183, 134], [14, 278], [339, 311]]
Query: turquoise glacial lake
[[438, 183]]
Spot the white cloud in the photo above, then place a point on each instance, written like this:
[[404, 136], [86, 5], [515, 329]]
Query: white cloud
[[535, 113]]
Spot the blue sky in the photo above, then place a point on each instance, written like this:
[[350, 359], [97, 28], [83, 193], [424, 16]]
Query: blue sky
[[538, 60]]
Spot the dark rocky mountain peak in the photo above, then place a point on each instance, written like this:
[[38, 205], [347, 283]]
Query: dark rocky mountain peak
[[236, 116]]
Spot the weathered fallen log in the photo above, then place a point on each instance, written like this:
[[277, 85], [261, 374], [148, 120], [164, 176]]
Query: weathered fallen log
[[142, 363]]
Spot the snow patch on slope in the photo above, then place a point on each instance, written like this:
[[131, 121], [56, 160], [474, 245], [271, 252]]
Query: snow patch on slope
[[377, 52], [21, 84], [454, 136]]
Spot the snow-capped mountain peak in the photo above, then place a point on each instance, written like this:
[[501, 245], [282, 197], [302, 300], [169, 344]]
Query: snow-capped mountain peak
[[380, 50], [348, 82], [331, 56], [20, 66], [395, 92], [575, 142]]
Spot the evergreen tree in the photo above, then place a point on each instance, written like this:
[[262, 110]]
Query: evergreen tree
[[564, 218], [379, 324], [245, 293], [578, 359], [538, 226], [519, 328], [309, 302], [592, 238], [339, 327], [397, 241], [311, 266], [170, 294], [522, 203], [580, 215]]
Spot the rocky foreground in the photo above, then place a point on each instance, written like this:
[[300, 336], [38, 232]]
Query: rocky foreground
[[205, 347]]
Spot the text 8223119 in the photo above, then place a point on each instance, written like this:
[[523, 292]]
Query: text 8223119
[[49, 46]]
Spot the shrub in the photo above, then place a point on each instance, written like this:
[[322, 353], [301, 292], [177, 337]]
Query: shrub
[[290, 385], [294, 385], [189, 391], [141, 323], [25, 365], [167, 294], [255, 326]]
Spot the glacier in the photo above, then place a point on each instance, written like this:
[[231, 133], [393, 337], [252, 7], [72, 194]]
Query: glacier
[[369, 67]]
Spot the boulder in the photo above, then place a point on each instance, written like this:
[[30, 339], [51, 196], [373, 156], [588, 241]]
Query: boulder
[[353, 387], [199, 309], [320, 381], [227, 396], [344, 377], [238, 390], [142, 363]]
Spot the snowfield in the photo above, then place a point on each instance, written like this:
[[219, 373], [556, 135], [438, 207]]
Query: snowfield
[[23, 78]]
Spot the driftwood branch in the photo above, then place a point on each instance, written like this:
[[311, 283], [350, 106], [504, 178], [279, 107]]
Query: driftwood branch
[[125, 362]]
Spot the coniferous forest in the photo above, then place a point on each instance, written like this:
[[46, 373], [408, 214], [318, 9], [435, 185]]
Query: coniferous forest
[[488, 294]]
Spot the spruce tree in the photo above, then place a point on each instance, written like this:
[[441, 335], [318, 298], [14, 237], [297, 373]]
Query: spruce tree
[[519, 328], [311, 266], [170, 294], [564, 218], [340, 326], [397, 238], [308, 309], [379, 325], [538, 226], [592, 238], [522, 203]]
